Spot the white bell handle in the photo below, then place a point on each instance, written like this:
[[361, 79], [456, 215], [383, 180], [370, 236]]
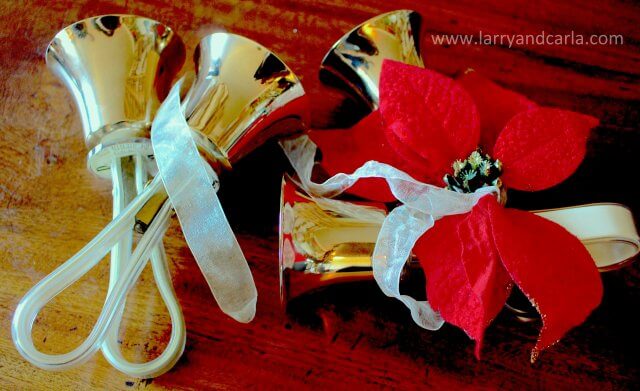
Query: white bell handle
[[607, 230], [76, 267]]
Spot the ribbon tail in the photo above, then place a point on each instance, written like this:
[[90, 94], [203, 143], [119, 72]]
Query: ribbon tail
[[204, 224], [301, 152]]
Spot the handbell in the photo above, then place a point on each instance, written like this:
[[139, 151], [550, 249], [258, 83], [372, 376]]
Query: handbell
[[243, 95], [320, 246], [118, 69], [354, 62]]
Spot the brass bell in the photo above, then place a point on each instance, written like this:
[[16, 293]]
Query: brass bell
[[354, 62], [118, 69], [320, 247], [243, 95]]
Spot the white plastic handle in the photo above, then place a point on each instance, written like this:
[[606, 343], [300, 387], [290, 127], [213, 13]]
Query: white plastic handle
[[73, 269], [162, 276], [607, 230]]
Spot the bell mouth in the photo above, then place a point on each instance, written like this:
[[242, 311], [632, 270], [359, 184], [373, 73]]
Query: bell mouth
[[105, 21], [354, 62], [285, 246]]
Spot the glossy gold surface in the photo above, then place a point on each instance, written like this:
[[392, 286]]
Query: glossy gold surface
[[319, 247], [355, 61], [118, 68], [243, 94]]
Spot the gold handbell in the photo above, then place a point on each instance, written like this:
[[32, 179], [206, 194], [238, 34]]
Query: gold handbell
[[118, 69], [353, 64], [319, 246], [243, 95]]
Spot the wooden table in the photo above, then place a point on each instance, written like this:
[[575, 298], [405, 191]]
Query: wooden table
[[345, 337]]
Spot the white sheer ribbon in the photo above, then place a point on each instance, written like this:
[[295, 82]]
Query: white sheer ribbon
[[187, 180], [423, 204]]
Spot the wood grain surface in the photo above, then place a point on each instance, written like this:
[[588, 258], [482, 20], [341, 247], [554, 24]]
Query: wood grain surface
[[344, 338]]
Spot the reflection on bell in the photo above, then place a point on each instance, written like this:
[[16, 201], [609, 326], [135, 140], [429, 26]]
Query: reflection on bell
[[319, 246], [118, 69], [354, 62], [243, 94]]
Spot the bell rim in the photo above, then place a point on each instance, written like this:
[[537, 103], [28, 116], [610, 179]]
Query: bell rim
[[70, 25], [282, 280], [248, 40]]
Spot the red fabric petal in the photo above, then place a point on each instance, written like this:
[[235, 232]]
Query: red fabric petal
[[488, 279], [466, 281], [542, 147], [552, 268], [496, 105], [430, 115], [345, 150]]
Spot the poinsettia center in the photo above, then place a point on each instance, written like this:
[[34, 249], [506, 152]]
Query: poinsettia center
[[476, 171]]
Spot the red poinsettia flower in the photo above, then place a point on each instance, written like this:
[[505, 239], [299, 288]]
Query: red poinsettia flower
[[431, 126]]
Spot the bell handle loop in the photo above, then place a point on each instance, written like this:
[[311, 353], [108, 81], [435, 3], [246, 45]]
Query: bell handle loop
[[111, 348], [76, 267], [174, 348]]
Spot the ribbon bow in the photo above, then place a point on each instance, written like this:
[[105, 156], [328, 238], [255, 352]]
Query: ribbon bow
[[474, 253]]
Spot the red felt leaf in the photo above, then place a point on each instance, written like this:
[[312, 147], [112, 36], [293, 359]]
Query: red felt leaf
[[496, 105], [487, 276], [345, 150], [413, 164], [542, 147], [466, 281], [552, 268], [428, 114]]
